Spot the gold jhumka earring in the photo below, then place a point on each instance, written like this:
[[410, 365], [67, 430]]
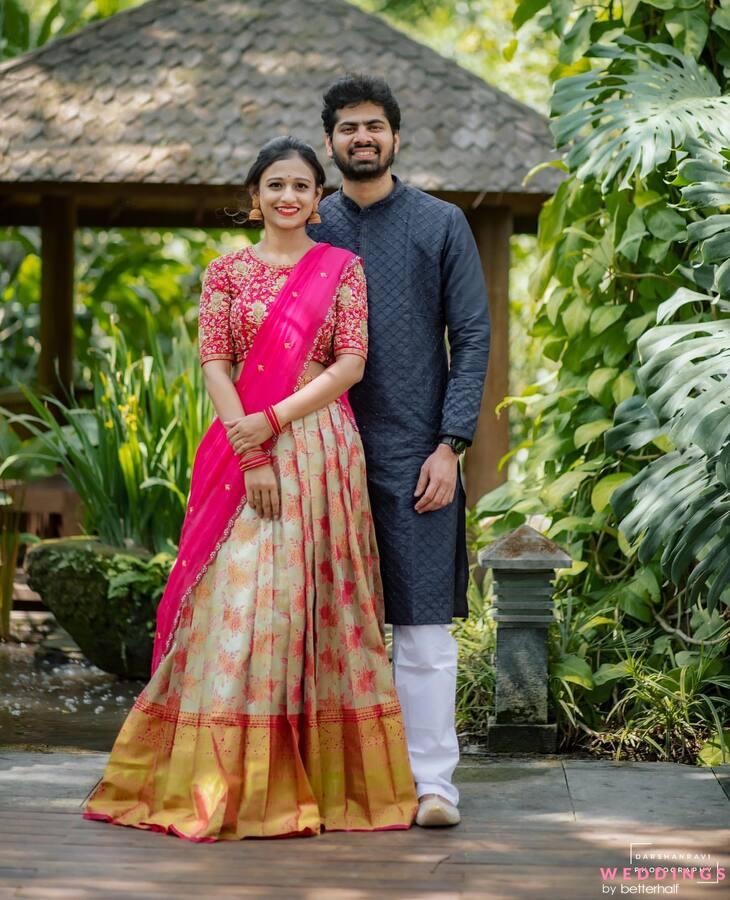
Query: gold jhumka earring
[[255, 215], [314, 218]]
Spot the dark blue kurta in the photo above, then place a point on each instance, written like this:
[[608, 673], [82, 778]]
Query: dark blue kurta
[[424, 279]]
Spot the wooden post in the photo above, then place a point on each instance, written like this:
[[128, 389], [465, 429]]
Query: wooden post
[[58, 228], [492, 227]]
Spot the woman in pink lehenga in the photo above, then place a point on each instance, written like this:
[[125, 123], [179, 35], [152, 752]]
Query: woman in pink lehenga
[[271, 709]]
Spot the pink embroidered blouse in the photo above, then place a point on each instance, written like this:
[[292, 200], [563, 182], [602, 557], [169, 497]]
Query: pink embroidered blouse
[[238, 292]]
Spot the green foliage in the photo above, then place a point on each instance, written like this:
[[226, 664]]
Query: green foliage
[[475, 675], [634, 416], [14, 28], [670, 709], [142, 579], [122, 276], [478, 34], [130, 455], [104, 598], [680, 503], [716, 750], [19, 311], [630, 119], [25, 25]]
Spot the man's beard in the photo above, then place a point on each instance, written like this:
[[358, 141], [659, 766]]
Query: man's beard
[[363, 169]]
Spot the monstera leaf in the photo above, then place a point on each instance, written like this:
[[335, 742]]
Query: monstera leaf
[[705, 179], [680, 503], [631, 115]]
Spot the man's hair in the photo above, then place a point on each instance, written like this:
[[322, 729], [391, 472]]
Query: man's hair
[[351, 90]]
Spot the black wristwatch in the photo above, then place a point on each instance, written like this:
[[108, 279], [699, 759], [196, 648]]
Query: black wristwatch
[[457, 444]]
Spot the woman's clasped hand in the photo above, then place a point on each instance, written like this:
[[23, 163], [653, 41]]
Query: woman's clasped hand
[[248, 432], [262, 489]]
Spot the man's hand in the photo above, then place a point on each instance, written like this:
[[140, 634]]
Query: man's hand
[[248, 432], [262, 491], [437, 482]]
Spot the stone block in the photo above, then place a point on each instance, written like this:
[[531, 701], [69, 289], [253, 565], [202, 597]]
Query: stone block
[[521, 664], [521, 738]]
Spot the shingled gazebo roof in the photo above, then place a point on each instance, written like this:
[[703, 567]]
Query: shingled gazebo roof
[[152, 117], [183, 93]]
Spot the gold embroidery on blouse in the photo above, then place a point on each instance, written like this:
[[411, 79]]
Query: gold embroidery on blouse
[[229, 323], [216, 299], [345, 297], [258, 311]]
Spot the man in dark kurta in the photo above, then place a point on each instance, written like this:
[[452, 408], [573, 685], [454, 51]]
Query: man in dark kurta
[[416, 408]]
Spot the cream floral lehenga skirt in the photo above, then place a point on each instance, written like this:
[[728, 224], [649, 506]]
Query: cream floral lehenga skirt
[[274, 713]]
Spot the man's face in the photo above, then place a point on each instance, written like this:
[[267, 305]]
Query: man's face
[[362, 145]]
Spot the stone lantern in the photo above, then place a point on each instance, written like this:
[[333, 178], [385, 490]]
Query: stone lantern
[[523, 564]]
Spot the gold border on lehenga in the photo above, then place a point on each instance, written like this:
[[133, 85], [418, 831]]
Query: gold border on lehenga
[[203, 720]]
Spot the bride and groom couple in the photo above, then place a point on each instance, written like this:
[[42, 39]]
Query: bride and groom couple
[[325, 500]]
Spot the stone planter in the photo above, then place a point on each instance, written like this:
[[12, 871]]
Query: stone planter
[[72, 576]]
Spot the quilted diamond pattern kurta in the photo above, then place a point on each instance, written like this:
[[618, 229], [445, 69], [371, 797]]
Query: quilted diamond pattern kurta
[[425, 281]]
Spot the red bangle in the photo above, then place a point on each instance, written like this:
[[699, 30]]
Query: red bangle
[[254, 450], [272, 419], [254, 460]]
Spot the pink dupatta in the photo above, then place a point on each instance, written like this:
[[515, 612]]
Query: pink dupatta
[[270, 373]]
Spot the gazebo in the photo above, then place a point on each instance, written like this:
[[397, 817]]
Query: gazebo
[[150, 118]]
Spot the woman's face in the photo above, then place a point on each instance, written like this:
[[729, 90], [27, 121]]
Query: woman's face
[[288, 193]]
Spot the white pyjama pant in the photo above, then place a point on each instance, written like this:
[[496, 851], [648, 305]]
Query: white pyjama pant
[[424, 668]]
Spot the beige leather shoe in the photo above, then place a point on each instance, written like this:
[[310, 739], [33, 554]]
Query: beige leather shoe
[[436, 812]]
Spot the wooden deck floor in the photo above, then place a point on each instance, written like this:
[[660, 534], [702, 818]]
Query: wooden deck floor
[[531, 829]]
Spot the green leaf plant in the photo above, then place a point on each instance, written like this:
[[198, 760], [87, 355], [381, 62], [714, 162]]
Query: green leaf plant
[[625, 462], [129, 455]]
